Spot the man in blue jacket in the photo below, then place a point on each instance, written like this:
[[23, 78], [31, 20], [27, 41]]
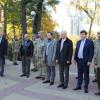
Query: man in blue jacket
[[83, 57], [3, 52]]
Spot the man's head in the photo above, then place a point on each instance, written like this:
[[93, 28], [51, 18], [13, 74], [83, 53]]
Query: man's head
[[83, 34], [26, 37], [41, 35], [98, 35], [49, 35], [33, 37], [1, 34], [63, 35]]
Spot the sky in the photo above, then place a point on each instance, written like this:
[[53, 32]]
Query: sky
[[61, 16]]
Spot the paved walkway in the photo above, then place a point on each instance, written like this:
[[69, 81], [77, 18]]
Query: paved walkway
[[12, 87]]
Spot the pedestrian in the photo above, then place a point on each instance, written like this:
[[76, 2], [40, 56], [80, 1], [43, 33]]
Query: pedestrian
[[3, 53], [49, 58], [34, 58], [97, 61], [26, 54], [40, 52], [83, 57], [16, 48], [63, 58]]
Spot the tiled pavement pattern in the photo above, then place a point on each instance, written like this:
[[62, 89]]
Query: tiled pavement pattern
[[12, 87]]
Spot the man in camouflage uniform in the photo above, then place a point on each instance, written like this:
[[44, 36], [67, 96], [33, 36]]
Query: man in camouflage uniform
[[39, 55], [34, 59], [97, 60], [16, 47]]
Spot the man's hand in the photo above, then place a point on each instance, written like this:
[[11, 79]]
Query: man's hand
[[68, 62], [89, 63], [56, 61], [74, 62]]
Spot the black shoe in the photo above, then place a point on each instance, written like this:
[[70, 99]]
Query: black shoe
[[47, 81], [22, 75], [34, 70], [38, 77], [95, 80], [77, 88], [86, 91], [15, 63], [27, 76], [98, 93], [64, 87], [43, 78], [51, 83], [76, 77], [59, 86], [2, 75]]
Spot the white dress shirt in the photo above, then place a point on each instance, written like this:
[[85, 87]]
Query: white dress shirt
[[80, 52], [0, 39], [62, 42]]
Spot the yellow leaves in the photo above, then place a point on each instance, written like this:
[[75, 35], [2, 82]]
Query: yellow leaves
[[98, 0], [48, 23]]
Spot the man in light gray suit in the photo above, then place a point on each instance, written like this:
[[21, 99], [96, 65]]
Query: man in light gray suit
[[49, 58]]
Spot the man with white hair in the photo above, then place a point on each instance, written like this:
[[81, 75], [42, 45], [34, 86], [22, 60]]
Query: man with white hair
[[26, 54], [63, 58]]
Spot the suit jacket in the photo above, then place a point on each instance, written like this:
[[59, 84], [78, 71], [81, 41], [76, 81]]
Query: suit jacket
[[66, 53], [28, 49], [88, 51], [49, 61], [3, 47]]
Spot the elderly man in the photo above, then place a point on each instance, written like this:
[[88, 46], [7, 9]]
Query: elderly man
[[97, 60], [26, 54], [63, 58], [3, 52]]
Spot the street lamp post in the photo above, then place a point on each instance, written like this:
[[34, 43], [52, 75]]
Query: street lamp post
[[33, 17]]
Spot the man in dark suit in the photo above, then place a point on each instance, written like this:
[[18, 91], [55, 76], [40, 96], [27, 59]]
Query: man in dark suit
[[83, 57], [3, 52], [26, 54], [63, 58]]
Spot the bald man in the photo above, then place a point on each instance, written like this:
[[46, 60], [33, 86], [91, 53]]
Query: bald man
[[26, 54], [63, 58]]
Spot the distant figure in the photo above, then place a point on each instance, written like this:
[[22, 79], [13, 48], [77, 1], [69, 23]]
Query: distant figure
[[34, 58], [83, 57], [49, 58], [63, 58], [3, 52], [97, 60], [26, 54], [16, 48]]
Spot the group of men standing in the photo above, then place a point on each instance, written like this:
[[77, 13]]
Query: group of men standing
[[47, 52]]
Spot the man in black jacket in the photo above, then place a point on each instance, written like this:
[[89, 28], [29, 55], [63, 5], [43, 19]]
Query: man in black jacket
[[3, 52], [63, 58], [26, 54]]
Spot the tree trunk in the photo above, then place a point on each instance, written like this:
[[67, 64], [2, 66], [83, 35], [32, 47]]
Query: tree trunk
[[23, 18], [90, 28], [38, 17], [4, 21]]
